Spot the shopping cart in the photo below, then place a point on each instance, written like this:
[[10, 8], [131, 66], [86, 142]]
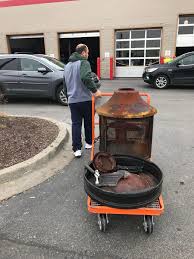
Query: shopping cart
[[148, 212]]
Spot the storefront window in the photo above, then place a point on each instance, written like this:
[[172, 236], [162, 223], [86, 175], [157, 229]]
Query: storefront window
[[137, 62], [137, 34], [137, 53], [186, 19], [122, 44], [138, 44], [122, 35], [186, 30], [122, 62], [152, 61], [153, 43], [186, 25], [122, 54], [143, 47], [152, 53], [153, 33]]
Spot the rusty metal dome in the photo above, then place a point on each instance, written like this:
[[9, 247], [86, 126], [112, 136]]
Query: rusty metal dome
[[126, 103]]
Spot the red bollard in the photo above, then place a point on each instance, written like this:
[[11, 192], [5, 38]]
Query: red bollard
[[161, 60], [111, 68], [98, 67]]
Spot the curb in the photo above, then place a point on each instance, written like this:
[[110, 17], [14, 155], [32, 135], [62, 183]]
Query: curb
[[10, 177]]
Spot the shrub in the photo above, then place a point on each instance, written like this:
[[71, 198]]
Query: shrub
[[2, 95]]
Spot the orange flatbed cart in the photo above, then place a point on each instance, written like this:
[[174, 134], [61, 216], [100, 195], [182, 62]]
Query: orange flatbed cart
[[148, 212]]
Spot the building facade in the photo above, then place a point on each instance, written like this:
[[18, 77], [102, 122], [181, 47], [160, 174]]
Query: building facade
[[134, 33]]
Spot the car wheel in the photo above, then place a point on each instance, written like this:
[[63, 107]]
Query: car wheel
[[161, 82], [60, 95]]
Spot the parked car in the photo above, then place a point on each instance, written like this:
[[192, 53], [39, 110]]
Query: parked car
[[180, 71], [24, 75]]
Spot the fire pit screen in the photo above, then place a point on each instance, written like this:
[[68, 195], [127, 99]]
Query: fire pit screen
[[126, 124]]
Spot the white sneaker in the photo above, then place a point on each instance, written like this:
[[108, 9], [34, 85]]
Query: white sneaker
[[77, 153], [88, 146]]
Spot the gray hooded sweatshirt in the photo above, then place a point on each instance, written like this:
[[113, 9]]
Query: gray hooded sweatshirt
[[78, 81]]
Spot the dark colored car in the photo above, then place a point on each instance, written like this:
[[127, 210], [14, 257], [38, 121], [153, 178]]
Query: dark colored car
[[24, 75], [180, 71]]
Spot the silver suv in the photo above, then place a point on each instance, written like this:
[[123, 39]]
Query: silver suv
[[24, 75]]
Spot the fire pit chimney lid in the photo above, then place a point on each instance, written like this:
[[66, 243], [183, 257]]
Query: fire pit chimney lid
[[126, 103]]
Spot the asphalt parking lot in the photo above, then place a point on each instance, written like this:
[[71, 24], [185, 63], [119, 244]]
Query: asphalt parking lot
[[51, 220]]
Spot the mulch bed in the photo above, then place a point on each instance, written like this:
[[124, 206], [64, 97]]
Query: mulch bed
[[23, 138]]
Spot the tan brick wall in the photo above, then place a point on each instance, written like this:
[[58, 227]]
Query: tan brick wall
[[106, 46], [3, 44], [169, 34], [51, 42], [92, 15]]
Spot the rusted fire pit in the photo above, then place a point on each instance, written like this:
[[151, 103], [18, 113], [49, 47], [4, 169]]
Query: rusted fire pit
[[126, 124]]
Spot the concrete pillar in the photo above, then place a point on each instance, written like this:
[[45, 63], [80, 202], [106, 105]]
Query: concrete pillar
[[51, 42], [169, 39], [106, 49], [3, 44]]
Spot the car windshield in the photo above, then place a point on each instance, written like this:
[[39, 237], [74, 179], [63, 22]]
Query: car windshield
[[176, 59], [55, 61]]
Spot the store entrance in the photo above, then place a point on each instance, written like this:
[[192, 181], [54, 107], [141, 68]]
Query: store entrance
[[183, 50], [68, 45]]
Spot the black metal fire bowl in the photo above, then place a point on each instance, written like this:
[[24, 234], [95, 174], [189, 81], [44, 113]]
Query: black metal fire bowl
[[131, 199]]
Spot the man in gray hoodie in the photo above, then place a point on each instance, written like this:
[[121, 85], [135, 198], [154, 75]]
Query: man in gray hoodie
[[79, 87]]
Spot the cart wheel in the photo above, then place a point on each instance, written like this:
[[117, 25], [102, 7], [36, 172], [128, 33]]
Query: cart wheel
[[148, 224], [102, 222]]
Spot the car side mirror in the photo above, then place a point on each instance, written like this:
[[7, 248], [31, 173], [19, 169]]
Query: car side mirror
[[178, 64], [42, 70]]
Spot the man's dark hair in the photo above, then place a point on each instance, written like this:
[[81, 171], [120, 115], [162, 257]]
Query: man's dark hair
[[80, 48]]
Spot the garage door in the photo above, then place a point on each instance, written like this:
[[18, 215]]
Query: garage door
[[69, 41], [135, 49], [32, 44]]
